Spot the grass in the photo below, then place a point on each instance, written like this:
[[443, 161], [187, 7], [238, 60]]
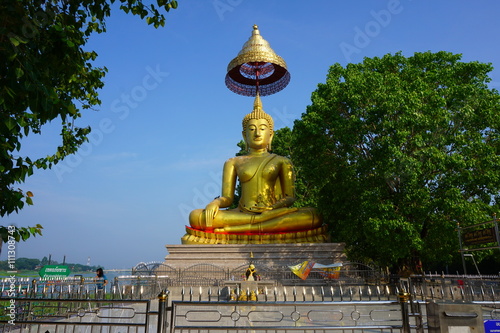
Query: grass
[[4, 274]]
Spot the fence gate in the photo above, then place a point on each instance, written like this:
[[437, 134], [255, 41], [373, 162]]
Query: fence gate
[[73, 315], [378, 316]]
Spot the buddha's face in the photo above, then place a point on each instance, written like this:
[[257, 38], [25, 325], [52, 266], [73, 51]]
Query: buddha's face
[[258, 134]]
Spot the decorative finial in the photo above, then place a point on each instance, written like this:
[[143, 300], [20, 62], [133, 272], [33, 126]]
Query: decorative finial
[[257, 69], [258, 113], [257, 103]]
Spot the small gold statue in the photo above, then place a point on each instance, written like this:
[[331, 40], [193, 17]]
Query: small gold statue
[[251, 273]]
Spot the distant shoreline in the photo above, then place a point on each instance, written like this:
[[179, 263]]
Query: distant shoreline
[[31, 273]]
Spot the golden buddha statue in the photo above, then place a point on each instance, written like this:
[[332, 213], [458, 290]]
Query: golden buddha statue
[[267, 192], [264, 213]]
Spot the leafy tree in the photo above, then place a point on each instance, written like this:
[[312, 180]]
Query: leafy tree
[[27, 264], [305, 191], [32, 264], [47, 75], [403, 149], [18, 234], [12, 234]]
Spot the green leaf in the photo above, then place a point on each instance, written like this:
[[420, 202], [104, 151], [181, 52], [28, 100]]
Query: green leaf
[[24, 234], [10, 123], [14, 40], [19, 73]]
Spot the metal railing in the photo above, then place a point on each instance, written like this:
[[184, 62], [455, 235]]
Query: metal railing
[[69, 315], [289, 316], [213, 275], [306, 307], [426, 287], [378, 308], [125, 287], [132, 304]]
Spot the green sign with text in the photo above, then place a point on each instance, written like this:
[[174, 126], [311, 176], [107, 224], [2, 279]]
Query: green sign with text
[[54, 272]]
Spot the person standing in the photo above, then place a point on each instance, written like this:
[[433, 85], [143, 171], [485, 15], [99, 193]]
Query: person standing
[[101, 282]]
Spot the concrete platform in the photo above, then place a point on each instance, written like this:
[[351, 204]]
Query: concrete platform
[[235, 255]]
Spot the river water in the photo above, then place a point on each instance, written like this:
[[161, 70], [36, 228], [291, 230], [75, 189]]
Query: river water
[[111, 274]]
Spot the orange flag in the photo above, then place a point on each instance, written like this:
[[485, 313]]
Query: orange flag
[[302, 270]]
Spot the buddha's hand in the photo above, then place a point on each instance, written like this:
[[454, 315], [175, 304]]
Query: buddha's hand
[[211, 211], [259, 209], [273, 213]]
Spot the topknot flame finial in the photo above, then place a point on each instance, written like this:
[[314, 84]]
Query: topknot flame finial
[[258, 113]]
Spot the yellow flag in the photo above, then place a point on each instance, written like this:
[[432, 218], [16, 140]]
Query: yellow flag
[[302, 270], [331, 271]]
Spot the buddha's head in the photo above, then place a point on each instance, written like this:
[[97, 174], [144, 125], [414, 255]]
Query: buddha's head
[[258, 128]]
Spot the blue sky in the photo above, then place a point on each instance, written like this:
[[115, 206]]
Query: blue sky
[[167, 122]]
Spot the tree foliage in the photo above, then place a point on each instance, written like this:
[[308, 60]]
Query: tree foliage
[[21, 264], [403, 149], [18, 234], [34, 264], [305, 191], [47, 75]]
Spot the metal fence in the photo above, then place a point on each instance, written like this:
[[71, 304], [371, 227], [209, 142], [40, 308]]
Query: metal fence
[[299, 316], [140, 304], [78, 315], [193, 308], [452, 288], [213, 275], [125, 287]]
